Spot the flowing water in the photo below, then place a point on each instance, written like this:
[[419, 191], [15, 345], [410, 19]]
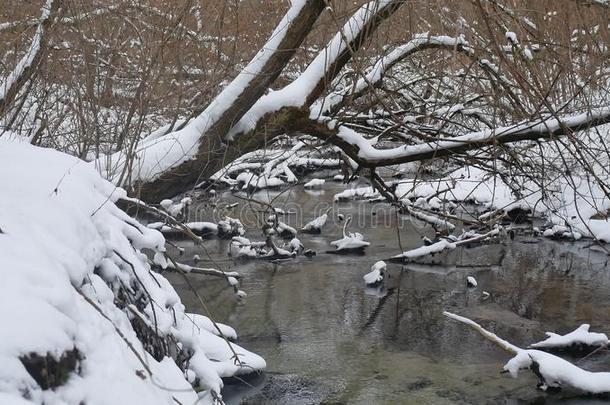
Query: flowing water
[[329, 339]]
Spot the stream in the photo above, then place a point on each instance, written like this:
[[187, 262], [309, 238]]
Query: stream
[[329, 339]]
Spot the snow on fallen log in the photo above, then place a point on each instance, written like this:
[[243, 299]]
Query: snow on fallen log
[[314, 183], [375, 276], [578, 337], [67, 253], [350, 242], [425, 250], [444, 244], [296, 246], [552, 371], [315, 225], [230, 227], [204, 271], [429, 218], [176, 210], [198, 228], [471, 282], [556, 372], [356, 193], [561, 232], [276, 227], [158, 156], [250, 181], [242, 248]]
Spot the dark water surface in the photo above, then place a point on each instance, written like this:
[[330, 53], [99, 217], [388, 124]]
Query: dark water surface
[[329, 339]]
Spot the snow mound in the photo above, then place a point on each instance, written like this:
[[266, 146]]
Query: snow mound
[[77, 290]]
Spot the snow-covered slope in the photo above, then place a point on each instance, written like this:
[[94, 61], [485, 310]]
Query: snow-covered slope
[[74, 284]]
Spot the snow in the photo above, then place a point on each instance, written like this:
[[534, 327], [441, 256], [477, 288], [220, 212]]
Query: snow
[[296, 245], [376, 73], [202, 226], [249, 180], [376, 274], [450, 243], [275, 163], [197, 227], [600, 229], [280, 227], [175, 209], [315, 225], [314, 183], [558, 372], [544, 126], [471, 281], [241, 247], [569, 206], [230, 227], [560, 231], [154, 156], [512, 37], [350, 240], [580, 336], [65, 250], [555, 371], [426, 250], [295, 94], [357, 192], [353, 241]]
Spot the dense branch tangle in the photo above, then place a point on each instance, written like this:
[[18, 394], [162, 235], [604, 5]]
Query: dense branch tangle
[[427, 97], [251, 119], [244, 93]]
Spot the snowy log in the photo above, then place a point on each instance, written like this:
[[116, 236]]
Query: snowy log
[[553, 371]]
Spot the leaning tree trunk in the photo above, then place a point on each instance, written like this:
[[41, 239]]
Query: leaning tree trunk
[[211, 147], [214, 151]]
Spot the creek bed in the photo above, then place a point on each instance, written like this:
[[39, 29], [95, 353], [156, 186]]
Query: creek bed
[[329, 339]]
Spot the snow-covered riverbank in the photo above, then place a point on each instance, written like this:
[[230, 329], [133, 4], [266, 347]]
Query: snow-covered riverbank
[[84, 318]]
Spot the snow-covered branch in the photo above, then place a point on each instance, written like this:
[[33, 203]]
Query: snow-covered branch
[[364, 153], [175, 155], [310, 84], [23, 71], [333, 101], [553, 371], [444, 244]]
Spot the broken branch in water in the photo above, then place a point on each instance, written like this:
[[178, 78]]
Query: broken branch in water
[[492, 337], [553, 371], [204, 271]]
